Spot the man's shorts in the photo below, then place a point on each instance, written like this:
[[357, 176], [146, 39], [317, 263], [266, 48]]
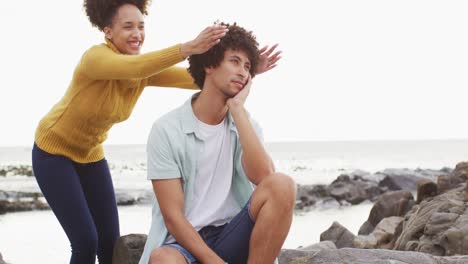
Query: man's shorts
[[229, 241]]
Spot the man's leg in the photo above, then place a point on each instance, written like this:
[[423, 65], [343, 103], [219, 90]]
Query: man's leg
[[167, 255], [256, 234], [272, 206]]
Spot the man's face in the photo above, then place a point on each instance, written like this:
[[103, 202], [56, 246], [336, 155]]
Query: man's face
[[232, 74]]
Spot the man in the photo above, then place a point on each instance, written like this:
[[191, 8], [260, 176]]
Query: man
[[203, 159]]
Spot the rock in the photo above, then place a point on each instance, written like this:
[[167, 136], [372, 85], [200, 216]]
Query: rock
[[461, 170], [354, 190], [321, 245], [13, 201], [1, 259], [21, 170], [128, 249], [400, 182], [339, 235], [395, 203], [454, 179], [307, 195], [466, 191], [20, 205], [328, 203], [363, 256], [438, 226], [382, 236], [123, 198], [426, 189], [296, 256], [366, 228]]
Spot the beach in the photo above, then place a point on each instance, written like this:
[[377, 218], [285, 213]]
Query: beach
[[39, 234]]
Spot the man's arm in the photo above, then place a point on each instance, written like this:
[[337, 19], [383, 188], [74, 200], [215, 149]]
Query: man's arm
[[171, 201], [256, 162]]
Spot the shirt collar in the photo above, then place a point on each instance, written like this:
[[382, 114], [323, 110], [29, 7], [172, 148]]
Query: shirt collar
[[189, 120]]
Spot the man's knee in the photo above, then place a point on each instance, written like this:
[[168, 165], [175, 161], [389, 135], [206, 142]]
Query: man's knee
[[282, 188], [166, 255], [280, 183]]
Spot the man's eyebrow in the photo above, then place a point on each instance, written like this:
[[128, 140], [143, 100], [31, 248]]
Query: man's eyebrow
[[239, 58]]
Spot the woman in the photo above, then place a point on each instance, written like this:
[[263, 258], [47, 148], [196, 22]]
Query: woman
[[68, 158]]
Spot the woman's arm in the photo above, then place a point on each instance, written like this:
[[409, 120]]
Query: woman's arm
[[173, 77], [102, 63]]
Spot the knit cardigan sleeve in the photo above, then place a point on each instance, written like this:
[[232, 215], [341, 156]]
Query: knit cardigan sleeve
[[173, 77], [102, 63]]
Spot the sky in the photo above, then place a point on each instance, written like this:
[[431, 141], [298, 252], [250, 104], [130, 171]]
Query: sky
[[351, 70]]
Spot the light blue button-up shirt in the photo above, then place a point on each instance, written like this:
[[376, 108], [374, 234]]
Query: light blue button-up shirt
[[173, 147]]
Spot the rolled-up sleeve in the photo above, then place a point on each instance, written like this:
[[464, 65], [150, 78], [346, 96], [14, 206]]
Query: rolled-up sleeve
[[161, 160]]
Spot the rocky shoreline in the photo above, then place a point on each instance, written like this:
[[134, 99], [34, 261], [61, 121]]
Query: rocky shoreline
[[345, 190], [430, 229]]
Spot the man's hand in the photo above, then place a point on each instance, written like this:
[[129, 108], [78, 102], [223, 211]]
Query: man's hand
[[237, 102], [267, 61]]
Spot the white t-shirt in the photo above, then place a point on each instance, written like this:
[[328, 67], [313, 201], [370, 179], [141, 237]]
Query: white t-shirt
[[213, 202]]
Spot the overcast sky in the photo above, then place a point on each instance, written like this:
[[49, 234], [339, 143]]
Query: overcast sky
[[351, 70]]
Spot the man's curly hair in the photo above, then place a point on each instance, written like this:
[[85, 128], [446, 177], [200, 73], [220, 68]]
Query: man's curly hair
[[101, 12], [237, 38]]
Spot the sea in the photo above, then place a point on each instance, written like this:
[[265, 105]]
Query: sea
[[37, 237]]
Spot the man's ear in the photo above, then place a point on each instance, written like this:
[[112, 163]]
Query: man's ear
[[208, 70], [108, 32]]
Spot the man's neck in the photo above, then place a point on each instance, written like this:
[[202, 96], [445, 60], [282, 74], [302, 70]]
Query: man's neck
[[210, 106]]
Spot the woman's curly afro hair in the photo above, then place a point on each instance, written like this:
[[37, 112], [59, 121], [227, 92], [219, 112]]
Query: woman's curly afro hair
[[101, 12], [237, 38]]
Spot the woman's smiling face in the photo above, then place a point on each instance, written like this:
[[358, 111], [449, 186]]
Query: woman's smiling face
[[127, 31]]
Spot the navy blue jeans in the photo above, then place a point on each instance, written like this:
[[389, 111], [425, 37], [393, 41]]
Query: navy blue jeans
[[83, 200]]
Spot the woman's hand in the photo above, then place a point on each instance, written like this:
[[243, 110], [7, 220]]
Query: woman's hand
[[268, 61], [209, 37]]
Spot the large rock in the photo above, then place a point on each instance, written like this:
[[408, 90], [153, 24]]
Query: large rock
[[128, 249], [339, 235], [455, 179], [382, 236], [308, 195], [321, 245], [353, 190], [438, 225], [364, 256], [426, 189], [389, 204]]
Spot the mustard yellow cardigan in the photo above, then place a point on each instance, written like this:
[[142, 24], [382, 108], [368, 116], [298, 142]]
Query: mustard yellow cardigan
[[104, 90]]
